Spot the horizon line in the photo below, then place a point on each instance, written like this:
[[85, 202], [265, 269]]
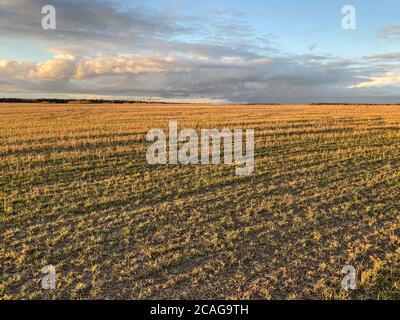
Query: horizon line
[[139, 101]]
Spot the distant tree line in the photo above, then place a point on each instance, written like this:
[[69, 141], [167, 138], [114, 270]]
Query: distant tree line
[[105, 101], [83, 101], [352, 104]]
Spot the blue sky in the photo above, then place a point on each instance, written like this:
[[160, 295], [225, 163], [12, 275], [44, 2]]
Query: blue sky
[[285, 51], [298, 25], [311, 20]]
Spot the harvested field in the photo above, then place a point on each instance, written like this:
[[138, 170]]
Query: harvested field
[[77, 193]]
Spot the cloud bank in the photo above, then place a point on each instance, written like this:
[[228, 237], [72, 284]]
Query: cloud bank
[[113, 48]]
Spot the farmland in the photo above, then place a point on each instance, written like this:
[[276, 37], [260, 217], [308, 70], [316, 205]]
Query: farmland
[[77, 193]]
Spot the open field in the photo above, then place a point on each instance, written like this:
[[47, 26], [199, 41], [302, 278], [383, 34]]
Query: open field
[[76, 192]]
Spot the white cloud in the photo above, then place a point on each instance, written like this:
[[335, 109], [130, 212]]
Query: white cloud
[[234, 78], [389, 79], [56, 69], [14, 69], [391, 32]]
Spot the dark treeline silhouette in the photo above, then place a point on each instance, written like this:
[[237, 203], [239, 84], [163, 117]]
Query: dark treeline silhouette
[[105, 101], [352, 104], [84, 101], [322, 104]]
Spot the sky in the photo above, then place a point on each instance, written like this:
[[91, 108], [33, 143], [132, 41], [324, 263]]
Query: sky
[[285, 51]]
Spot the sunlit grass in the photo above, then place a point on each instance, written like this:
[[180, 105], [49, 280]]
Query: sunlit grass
[[76, 192]]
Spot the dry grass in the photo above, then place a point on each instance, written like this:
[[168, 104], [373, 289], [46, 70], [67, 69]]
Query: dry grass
[[76, 192]]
